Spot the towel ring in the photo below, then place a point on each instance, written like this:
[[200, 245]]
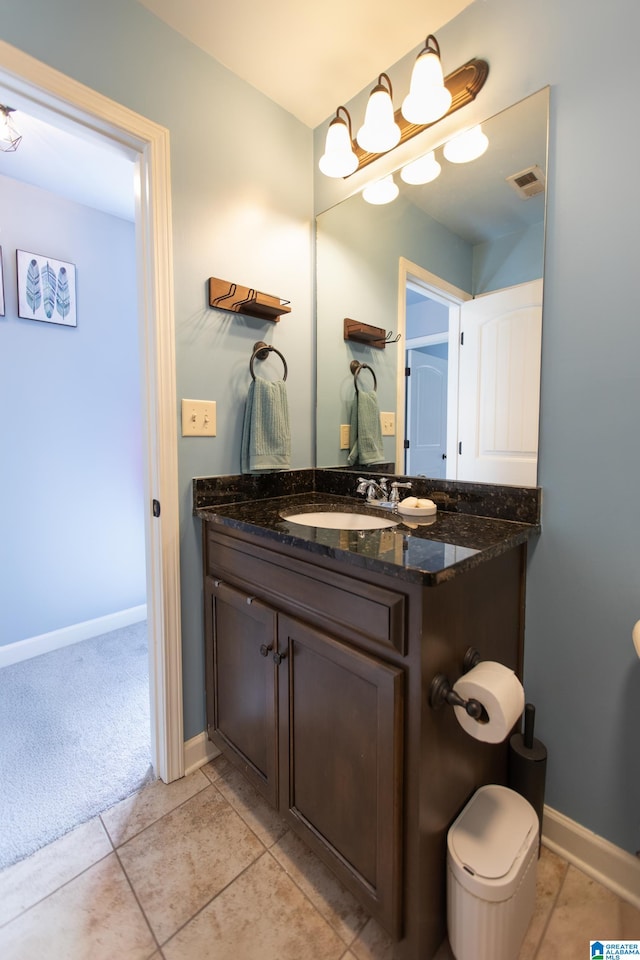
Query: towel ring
[[261, 350], [356, 367]]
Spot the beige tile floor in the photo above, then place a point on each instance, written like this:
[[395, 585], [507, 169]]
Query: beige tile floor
[[202, 869]]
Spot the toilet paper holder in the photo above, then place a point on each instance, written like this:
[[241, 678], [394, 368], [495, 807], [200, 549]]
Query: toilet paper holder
[[442, 692]]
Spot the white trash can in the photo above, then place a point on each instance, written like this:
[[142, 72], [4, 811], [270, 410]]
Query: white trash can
[[492, 854]]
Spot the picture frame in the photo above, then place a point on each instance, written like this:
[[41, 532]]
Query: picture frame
[[1, 286], [46, 289]]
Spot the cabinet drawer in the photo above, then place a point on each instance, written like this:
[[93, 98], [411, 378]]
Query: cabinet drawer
[[353, 608]]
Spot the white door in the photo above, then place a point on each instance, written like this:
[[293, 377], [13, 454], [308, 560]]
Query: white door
[[426, 414], [500, 386]]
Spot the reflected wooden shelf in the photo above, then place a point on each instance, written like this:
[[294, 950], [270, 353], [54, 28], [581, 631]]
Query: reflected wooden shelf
[[252, 303]]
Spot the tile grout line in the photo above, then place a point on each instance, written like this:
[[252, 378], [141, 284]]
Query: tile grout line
[[550, 914], [140, 908], [349, 943], [209, 902], [116, 846], [209, 783], [66, 882]]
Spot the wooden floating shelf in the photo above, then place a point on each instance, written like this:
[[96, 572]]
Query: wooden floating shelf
[[365, 333], [252, 303]]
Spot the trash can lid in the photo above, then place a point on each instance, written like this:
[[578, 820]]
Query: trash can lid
[[489, 840]]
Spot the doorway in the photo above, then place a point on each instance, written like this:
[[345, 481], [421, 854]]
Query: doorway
[[492, 344], [426, 377], [36, 87], [427, 401]]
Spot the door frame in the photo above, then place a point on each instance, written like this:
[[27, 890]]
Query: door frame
[[74, 103], [452, 296]]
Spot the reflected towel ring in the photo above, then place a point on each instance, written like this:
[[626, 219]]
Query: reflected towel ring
[[356, 367], [261, 350]]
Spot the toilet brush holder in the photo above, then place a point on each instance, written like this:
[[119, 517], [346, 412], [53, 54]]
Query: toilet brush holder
[[528, 766]]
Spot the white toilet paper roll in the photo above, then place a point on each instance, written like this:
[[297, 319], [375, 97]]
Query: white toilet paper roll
[[499, 691]]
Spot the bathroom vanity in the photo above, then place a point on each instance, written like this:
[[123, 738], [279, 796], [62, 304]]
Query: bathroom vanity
[[321, 646]]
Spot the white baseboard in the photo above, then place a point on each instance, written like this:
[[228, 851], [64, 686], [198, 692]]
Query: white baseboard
[[198, 751], [611, 866], [46, 642]]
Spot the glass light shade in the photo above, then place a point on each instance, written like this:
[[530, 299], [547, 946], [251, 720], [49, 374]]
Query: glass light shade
[[338, 159], [468, 146], [379, 132], [423, 170], [9, 137], [382, 191], [428, 98]]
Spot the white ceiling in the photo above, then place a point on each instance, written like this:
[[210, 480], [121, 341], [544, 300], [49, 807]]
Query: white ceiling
[[70, 162], [306, 55]]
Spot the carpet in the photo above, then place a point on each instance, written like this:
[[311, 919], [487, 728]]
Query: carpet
[[75, 737]]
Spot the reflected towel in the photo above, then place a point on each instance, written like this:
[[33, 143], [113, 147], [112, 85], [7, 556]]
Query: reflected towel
[[366, 432], [266, 436]]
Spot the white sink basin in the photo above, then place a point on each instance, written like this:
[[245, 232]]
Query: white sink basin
[[333, 520]]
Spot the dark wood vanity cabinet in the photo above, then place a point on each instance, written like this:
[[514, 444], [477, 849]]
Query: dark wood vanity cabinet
[[242, 682], [316, 725], [317, 689]]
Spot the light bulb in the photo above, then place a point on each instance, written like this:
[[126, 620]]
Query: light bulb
[[338, 159], [382, 191], [468, 146], [379, 131], [428, 98], [423, 170]]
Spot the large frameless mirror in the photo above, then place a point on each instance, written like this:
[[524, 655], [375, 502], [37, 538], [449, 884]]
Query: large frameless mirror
[[455, 268]]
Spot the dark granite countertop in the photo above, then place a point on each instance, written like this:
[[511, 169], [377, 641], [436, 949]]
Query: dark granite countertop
[[428, 552]]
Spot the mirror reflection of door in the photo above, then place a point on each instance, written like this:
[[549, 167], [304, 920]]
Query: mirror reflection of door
[[430, 322], [472, 401], [499, 395], [426, 412]]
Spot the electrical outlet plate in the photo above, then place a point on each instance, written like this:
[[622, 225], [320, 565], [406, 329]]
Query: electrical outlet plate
[[198, 418], [388, 424], [344, 436]]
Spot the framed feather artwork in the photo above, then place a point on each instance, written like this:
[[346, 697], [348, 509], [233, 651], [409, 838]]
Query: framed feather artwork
[[1, 286], [46, 289]]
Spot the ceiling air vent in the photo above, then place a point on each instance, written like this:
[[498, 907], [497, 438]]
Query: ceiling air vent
[[528, 183]]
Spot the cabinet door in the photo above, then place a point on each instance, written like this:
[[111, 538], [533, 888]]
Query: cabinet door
[[341, 721], [241, 680]]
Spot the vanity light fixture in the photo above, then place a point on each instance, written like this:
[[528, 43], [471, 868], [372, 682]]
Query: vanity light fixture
[[381, 191], [379, 132], [9, 137], [339, 159], [423, 170], [466, 146], [428, 98]]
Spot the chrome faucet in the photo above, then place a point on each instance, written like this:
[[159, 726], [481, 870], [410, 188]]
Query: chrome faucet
[[395, 496], [374, 489]]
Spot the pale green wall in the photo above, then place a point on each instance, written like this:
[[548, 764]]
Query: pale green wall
[[69, 442], [583, 592], [509, 260], [241, 172]]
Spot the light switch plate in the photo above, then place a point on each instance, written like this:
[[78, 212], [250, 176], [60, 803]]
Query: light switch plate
[[198, 418], [388, 424], [344, 436]]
